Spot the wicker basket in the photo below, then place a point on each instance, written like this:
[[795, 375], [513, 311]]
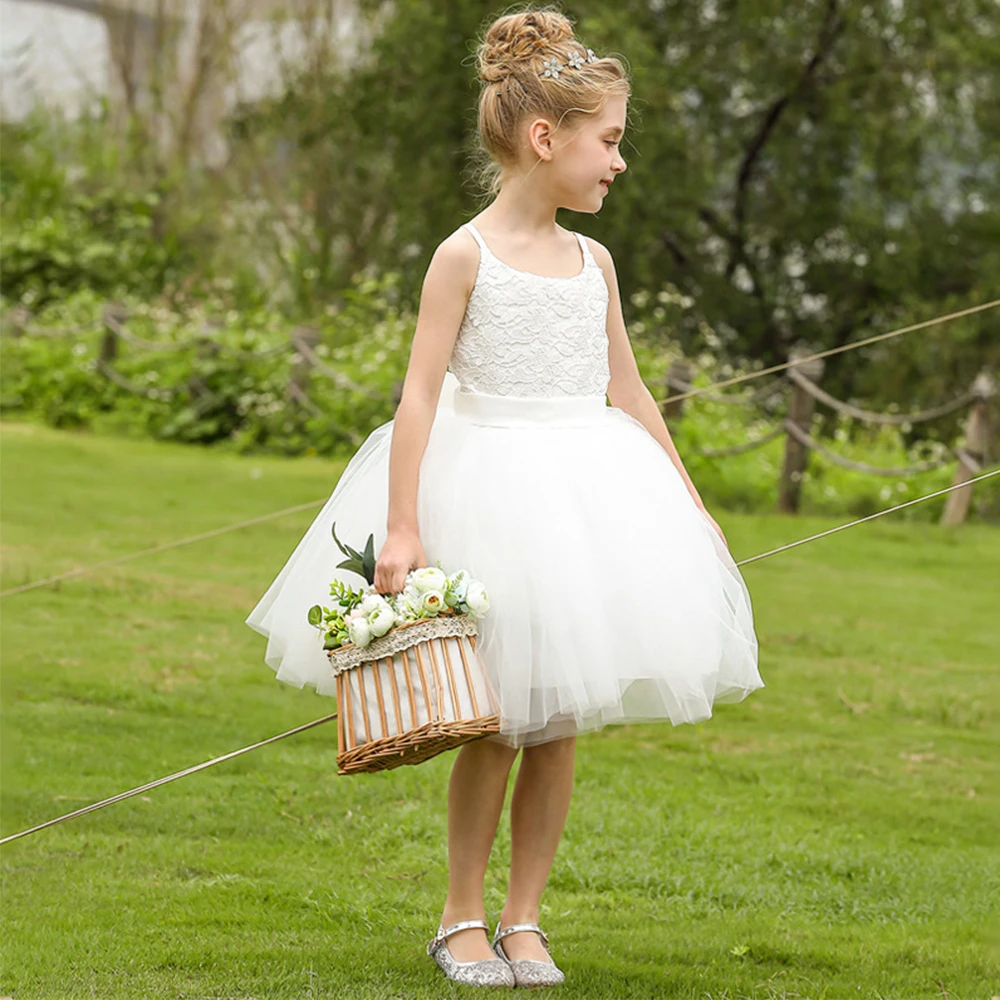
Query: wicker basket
[[418, 690]]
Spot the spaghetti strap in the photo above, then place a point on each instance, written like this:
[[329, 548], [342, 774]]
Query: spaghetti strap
[[479, 239], [588, 257]]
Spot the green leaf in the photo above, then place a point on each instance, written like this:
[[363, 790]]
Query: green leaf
[[354, 565], [340, 545], [315, 615], [368, 561]]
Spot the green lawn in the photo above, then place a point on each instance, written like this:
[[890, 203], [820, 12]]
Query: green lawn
[[833, 836]]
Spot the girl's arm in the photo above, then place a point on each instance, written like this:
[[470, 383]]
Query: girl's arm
[[443, 298], [626, 389]]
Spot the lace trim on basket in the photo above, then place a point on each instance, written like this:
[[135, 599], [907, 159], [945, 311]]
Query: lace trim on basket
[[399, 638]]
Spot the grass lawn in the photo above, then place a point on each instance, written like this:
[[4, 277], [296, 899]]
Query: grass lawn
[[833, 836]]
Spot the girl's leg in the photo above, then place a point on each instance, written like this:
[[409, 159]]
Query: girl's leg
[[475, 800], [538, 813]]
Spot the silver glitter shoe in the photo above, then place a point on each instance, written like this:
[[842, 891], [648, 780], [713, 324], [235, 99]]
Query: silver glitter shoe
[[529, 971], [485, 972]]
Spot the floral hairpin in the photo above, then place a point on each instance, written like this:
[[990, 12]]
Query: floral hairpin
[[574, 60]]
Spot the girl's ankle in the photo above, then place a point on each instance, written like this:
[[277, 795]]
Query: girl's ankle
[[452, 914], [508, 917]]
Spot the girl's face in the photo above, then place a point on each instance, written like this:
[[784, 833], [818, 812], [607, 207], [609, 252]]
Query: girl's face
[[583, 169]]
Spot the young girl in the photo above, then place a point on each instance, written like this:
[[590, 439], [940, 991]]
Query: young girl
[[613, 596]]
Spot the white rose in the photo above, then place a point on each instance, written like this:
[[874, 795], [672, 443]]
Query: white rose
[[433, 602], [372, 602], [356, 612], [359, 632], [477, 599], [413, 599], [428, 578], [381, 620]]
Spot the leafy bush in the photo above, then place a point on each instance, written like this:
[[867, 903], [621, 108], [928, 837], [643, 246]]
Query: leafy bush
[[71, 223], [221, 377]]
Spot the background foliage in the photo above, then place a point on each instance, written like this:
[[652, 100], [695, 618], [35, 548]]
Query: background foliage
[[801, 175]]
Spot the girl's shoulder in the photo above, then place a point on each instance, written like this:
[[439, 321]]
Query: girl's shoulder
[[459, 245], [455, 259]]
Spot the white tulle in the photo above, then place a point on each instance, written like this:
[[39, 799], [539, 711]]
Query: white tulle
[[612, 598]]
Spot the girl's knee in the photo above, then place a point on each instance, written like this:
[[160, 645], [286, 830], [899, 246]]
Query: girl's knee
[[562, 747]]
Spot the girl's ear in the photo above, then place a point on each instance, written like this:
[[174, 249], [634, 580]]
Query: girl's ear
[[540, 138]]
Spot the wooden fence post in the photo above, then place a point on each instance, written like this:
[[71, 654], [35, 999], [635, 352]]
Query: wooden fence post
[[679, 373], [113, 315], [299, 375], [800, 409], [972, 456]]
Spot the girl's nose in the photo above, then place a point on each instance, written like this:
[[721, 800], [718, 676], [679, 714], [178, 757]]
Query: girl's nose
[[619, 166]]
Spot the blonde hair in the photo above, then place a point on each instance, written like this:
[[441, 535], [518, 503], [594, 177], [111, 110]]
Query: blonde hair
[[511, 59]]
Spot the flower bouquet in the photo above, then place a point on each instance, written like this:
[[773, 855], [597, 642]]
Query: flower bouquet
[[409, 681]]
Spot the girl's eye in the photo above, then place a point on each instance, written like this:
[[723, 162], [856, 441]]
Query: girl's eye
[[611, 142]]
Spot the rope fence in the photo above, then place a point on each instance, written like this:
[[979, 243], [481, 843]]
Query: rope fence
[[900, 472], [870, 417], [327, 718], [853, 345], [299, 349], [799, 383]]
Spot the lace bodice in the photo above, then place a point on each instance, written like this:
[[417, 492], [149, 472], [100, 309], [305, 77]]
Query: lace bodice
[[524, 334]]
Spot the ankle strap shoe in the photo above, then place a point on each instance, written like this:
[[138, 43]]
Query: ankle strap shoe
[[528, 971], [485, 972]]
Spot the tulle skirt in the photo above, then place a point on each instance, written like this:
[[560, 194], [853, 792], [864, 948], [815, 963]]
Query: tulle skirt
[[612, 598]]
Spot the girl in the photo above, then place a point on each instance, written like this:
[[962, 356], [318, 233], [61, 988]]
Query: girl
[[613, 596]]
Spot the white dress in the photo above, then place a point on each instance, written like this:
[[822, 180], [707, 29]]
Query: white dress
[[612, 598]]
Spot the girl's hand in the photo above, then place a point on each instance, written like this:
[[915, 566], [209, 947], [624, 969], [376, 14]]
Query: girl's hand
[[401, 552]]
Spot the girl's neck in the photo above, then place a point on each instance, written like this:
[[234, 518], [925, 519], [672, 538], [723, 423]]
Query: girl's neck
[[519, 209]]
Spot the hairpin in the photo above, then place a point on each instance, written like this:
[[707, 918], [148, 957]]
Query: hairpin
[[574, 60]]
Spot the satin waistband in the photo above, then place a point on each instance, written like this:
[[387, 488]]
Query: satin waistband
[[509, 411]]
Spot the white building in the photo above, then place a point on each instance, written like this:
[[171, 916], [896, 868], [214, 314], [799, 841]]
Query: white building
[[182, 62]]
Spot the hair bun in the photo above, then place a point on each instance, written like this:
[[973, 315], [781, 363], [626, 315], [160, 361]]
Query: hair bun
[[520, 37]]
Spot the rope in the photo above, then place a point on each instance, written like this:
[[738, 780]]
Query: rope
[[888, 510], [205, 338], [338, 378], [745, 399], [168, 778], [300, 397], [972, 464], [52, 332], [740, 448], [804, 438], [267, 352], [159, 548], [149, 392], [119, 330], [327, 718], [806, 383], [163, 347], [833, 350]]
